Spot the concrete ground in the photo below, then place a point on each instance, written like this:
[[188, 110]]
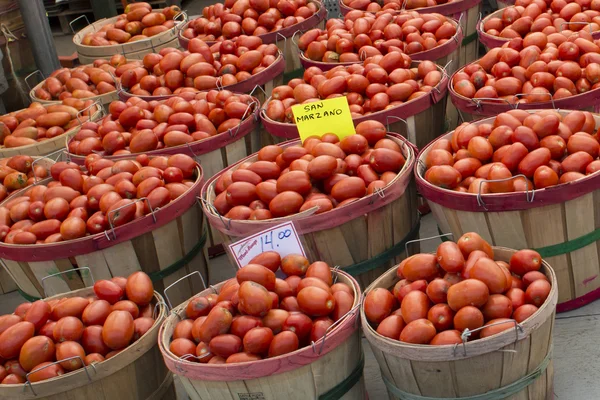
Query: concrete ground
[[576, 376]]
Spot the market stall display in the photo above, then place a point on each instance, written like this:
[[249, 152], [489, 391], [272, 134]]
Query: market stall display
[[273, 22], [415, 339], [87, 343], [374, 198], [137, 32], [521, 202], [408, 96], [431, 37], [133, 214], [298, 341]]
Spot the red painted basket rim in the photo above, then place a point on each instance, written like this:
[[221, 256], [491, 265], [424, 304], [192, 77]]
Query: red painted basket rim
[[501, 202], [270, 37], [306, 223], [489, 108], [453, 8], [99, 241], [269, 366], [433, 54], [404, 111], [246, 86], [196, 148]]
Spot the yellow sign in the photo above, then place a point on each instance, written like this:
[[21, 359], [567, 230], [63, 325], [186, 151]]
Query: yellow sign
[[325, 116]]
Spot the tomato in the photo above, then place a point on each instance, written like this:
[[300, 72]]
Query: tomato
[[282, 343], [420, 331], [496, 326], [118, 330], [320, 270], [139, 288], [446, 338], [127, 305], [181, 347], [269, 259], [391, 327], [45, 371], [532, 276], [468, 317], [421, 266], [524, 312], [537, 292], [13, 338], [36, 350], [257, 340], [67, 350], [470, 292], [294, 264], [254, 299], [257, 273], [437, 290], [378, 304], [450, 257], [92, 342], [319, 328], [441, 316], [8, 320], [490, 273], [315, 301], [38, 314], [471, 241], [96, 313], [275, 319], [524, 261], [71, 307], [497, 306]]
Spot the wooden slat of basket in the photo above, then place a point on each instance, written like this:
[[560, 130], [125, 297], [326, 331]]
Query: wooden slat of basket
[[167, 243], [513, 366], [42, 269], [380, 238], [234, 152], [491, 363], [191, 231], [475, 222], [331, 245], [7, 282], [507, 228], [212, 163], [23, 276], [97, 264], [579, 221], [402, 223], [439, 382], [544, 227], [122, 259], [71, 277], [354, 233]]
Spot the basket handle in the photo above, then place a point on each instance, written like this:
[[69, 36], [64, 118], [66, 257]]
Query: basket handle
[[112, 212], [66, 272], [179, 280], [77, 19], [480, 201], [353, 310], [424, 239], [467, 333], [578, 23], [527, 94], [36, 72], [28, 382]]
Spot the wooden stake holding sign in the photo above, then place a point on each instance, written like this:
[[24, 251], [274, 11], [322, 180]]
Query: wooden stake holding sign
[[281, 238], [325, 116]]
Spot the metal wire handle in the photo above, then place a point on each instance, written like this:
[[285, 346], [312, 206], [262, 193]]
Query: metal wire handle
[[248, 108], [28, 382], [333, 326], [179, 280], [425, 239], [480, 201], [110, 222], [578, 23], [529, 94], [36, 72], [65, 272], [78, 18], [464, 336]]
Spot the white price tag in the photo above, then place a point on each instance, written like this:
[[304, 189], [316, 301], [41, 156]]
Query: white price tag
[[282, 238]]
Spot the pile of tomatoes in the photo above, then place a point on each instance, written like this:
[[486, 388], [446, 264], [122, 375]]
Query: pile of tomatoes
[[81, 82], [547, 147], [361, 34], [325, 173], [138, 126], [381, 83], [542, 67], [18, 172], [200, 67], [38, 123], [77, 203], [538, 16], [394, 5], [139, 22], [249, 17], [79, 330], [257, 315], [460, 287]]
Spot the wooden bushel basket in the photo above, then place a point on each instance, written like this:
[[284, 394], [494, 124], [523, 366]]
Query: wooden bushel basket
[[136, 373], [492, 41], [214, 153], [559, 222], [446, 54], [102, 99], [283, 38], [135, 50], [7, 284], [420, 120], [49, 146], [363, 238], [472, 109], [264, 81], [330, 368], [514, 364], [466, 12], [166, 244]]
